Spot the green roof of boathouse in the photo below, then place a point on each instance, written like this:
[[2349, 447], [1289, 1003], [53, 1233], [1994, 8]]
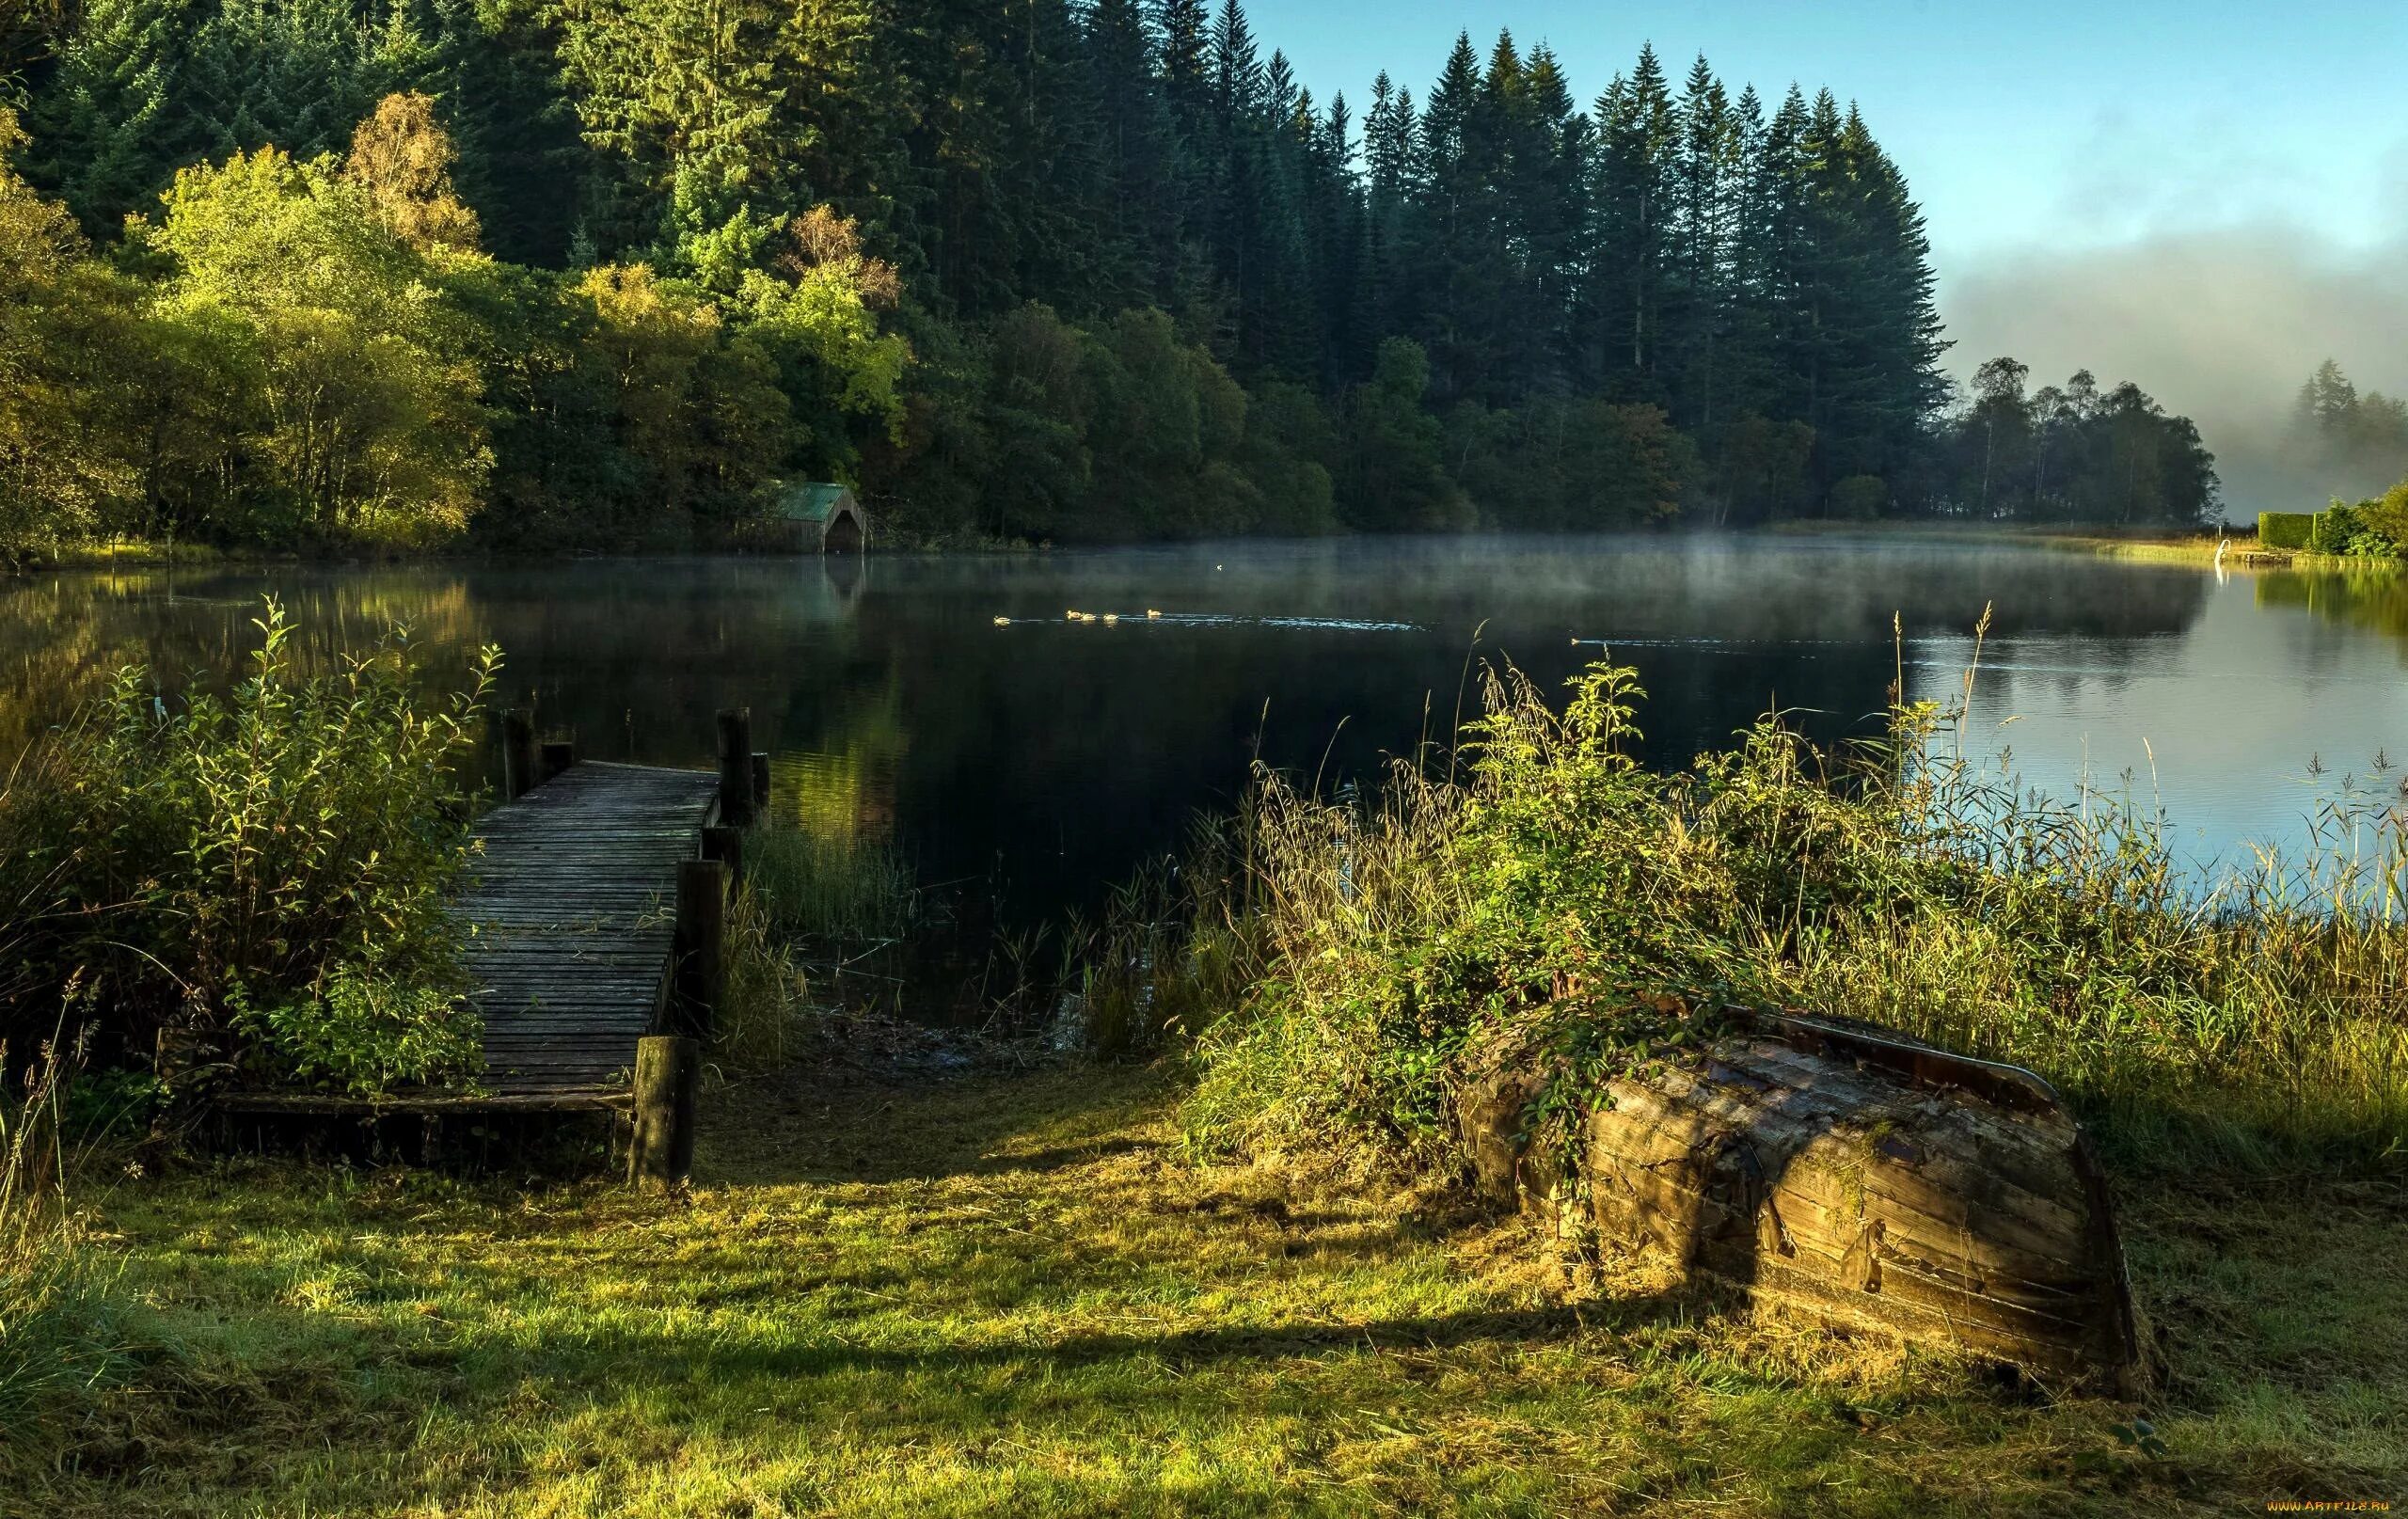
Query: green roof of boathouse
[[815, 500]]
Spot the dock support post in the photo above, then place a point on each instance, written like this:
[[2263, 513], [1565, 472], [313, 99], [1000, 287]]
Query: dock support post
[[668, 1070], [760, 784], [701, 976], [735, 766], [518, 752], [726, 846], [557, 758]]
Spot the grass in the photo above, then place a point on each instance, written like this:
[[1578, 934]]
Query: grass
[[2159, 545], [1548, 886], [62, 1330], [1014, 1295], [831, 890]]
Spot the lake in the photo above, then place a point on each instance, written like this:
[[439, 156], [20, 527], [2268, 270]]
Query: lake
[[1050, 757]]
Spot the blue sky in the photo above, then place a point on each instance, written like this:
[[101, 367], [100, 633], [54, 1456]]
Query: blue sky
[[2048, 122]]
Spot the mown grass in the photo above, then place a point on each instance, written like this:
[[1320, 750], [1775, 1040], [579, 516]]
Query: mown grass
[[1013, 1294]]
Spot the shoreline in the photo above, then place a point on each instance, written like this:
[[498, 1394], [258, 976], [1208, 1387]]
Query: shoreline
[[2106, 543]]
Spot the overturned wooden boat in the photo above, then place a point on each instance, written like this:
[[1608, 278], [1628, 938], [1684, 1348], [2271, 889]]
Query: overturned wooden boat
[[1849, 1176]]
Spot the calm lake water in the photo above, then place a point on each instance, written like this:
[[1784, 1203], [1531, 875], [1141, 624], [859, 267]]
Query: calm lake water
[[1051, 757]]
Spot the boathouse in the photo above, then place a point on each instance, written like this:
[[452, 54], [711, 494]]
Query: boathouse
[[817, 517]]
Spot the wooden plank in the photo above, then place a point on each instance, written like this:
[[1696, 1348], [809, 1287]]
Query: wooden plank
[[569, 902]]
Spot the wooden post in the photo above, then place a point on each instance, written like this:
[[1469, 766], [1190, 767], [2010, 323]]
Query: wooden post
[[556, 760], [760, 784], [701, 976], [735, 766], [668, 1070], [518, 752], [726, 846]]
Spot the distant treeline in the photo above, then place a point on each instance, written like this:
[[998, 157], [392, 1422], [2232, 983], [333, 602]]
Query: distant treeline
[[603, 271], [2356, 439]]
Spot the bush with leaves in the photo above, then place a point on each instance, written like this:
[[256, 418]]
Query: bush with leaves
[[1553, 894], [263, 870]]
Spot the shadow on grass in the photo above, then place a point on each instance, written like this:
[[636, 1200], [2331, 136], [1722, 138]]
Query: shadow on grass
[[814, 1127]]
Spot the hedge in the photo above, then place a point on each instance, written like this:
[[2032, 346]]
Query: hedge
[[2285, 529]]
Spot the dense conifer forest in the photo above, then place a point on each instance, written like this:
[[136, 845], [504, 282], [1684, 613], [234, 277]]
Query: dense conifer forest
[[603, 273]]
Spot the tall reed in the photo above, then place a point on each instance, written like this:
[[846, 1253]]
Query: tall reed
[[60, 1313]]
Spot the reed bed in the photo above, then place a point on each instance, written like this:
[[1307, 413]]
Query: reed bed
[[832, 889], [1544, 880]]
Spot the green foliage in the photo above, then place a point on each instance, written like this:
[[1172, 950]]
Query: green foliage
[[2073, 455], [2387, 517], [756, 1026], [368, 420], [267, 865], [58, 481], [2285, 529], [834, 890], [361, 1032], [63, 1319], [1392, 476], [1859, 497], [1045, 430], [1557, 893], [1495, 306]]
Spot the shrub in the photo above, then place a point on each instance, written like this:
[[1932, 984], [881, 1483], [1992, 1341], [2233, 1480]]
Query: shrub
[[262, 873], [2334, 526], [1558, 890], [2387, 517], [2285, 529], [1859, 497]]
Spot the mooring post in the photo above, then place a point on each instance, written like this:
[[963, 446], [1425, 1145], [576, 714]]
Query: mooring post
[[735, 766], [668, 1070], [701, 942], [518, 752], [760, 783], [726, 846], [557, 759]]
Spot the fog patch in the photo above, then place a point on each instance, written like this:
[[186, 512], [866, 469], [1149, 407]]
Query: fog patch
[[2222, 325]]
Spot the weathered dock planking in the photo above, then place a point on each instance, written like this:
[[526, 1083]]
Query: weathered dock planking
[[570, 904]]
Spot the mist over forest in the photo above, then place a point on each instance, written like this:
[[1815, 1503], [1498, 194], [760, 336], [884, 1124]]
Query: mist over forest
[[2224, 324]]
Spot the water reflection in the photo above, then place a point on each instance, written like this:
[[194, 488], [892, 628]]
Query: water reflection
[[1054, 753]]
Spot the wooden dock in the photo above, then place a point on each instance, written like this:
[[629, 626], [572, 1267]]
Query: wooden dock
[[594, 907], [570, 907]]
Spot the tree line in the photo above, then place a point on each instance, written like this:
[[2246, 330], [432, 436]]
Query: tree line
[[603, 271]]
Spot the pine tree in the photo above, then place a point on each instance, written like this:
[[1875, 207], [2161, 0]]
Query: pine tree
[[1633, 191], [107, 121]]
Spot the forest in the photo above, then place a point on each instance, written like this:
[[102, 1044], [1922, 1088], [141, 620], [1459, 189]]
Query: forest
[[601, 274]]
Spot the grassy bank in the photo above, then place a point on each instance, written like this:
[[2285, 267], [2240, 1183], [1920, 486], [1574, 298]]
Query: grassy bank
[[2196, 546], [1013, 1294], [1547, 888]]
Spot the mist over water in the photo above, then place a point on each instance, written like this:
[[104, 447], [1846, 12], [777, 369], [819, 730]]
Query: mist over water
[[1053, 756]]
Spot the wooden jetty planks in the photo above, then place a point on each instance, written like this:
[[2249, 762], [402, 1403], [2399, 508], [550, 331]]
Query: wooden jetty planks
[[570, 904]]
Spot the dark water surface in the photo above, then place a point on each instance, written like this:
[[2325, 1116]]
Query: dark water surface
[[1054, 756]]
